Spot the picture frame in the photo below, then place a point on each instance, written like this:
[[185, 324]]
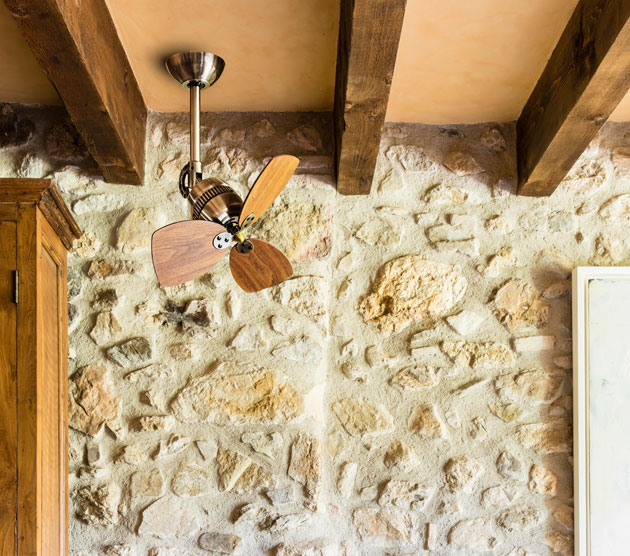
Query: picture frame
[[601, 320]]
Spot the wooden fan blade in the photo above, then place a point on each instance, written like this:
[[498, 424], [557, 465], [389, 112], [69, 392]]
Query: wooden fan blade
[[263, 267], [184, 250], [267, 186]]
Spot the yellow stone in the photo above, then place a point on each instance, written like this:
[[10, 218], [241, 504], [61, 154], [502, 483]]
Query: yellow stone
[[257, 397], [358, 416], [410, 289]]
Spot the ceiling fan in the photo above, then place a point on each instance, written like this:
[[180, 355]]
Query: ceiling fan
[[185, 250]]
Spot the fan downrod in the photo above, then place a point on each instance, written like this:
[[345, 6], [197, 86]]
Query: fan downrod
[[194, 71]]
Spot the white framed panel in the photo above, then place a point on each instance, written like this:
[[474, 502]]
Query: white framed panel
[[601, 419]]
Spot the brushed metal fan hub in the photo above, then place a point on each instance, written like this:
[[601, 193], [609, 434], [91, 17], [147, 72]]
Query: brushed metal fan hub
[[214, 200], [195, 68]]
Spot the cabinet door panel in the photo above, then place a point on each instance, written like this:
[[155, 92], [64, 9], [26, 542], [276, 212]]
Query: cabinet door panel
[[52, 393], [49, 406], [8, 395]]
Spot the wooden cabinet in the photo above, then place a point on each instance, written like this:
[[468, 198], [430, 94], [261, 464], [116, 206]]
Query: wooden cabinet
[[36, 229]]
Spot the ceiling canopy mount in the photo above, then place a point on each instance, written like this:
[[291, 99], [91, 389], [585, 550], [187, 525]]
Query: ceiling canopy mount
[[195, 68]]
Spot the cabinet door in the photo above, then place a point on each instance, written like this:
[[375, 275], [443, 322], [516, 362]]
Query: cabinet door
[[52, 391], [8, 393]]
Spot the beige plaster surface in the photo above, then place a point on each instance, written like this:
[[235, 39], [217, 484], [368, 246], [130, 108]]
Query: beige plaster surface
[[21, 78], [280, 54], [472, 61]]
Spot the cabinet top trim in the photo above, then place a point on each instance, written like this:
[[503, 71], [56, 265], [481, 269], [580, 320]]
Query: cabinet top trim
[[43, 194]]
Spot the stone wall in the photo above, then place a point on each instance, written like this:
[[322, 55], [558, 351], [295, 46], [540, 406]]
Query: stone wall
[[407, 391]]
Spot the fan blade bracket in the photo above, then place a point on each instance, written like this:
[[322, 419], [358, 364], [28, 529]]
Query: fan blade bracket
[[248, 220], [244, 247], [222, 240]]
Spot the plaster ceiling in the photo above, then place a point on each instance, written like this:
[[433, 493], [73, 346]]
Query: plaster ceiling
[[459, 61], [472, 61], [21, 78], [280, 54]]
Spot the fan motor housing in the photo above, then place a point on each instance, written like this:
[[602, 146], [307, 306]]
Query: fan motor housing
[[214, 200]]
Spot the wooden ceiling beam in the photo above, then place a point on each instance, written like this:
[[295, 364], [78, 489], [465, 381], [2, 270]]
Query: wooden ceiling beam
[[369, 32], [78, 48], [586, 77]]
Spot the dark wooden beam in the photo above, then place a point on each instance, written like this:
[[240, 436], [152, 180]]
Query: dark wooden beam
[[586, 77], [369, 31], [78, 48]]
